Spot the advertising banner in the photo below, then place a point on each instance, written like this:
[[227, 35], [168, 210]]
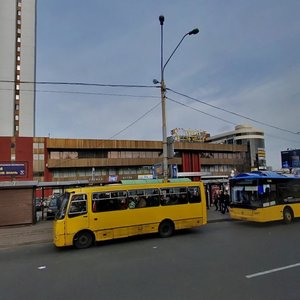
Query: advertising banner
[[17, 169], [290, 158]]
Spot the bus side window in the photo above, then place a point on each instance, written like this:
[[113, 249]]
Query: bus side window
[[131, 202], [143, 198], [152, 197], [194, 195], [109, 201], [164, 197], [123, 203], [78, 205], [174, 196]]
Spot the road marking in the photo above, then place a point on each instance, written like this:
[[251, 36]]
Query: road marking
[[273, 270]]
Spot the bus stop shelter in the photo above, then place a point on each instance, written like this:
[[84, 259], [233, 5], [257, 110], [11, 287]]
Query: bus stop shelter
[[17, 202], [17, 199]]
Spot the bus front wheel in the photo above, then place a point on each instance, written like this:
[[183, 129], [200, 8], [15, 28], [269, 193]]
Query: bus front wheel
[[83, 240], [287, 215], [166, 229]]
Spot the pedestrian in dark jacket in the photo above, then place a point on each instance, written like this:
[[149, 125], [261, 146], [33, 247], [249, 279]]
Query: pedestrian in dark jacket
[[216, 200], [221, 201], [226, 202]]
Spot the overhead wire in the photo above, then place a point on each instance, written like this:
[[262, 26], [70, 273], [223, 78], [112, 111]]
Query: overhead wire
[[226, 121], [87, 93], [80, 84], [134, 122], [140, 96], [201, 111], [233, 113]]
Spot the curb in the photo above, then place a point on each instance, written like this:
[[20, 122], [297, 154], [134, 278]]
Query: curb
[[10, 246], [50, 241], [219, 220]]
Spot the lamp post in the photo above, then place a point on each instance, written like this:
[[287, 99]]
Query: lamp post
[[163, 92]]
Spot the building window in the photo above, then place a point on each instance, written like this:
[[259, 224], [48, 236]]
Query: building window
[[38, 157], [54, 155], [112, 171], [38, 174], [38, 145], [113, 154]]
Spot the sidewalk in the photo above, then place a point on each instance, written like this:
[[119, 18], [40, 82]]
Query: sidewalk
[[12, 236], [41, 232], [214, 216]]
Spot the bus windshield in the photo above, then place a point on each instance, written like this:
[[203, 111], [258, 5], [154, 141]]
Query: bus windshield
[[254, 193], [245, 193], [63, 207]]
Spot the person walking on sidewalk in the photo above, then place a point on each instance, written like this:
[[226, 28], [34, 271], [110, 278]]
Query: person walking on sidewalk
[[226, 202], [221, 200], [216, 200]]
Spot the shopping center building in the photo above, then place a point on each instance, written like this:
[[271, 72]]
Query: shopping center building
[[50, 159]]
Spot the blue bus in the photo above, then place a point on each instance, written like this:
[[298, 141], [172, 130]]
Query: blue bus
[[263, 196]]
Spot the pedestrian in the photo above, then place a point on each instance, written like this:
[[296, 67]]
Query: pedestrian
[[226, 202], [216, 200], [221, 201]]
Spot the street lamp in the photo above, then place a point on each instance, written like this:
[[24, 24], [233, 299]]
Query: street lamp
[[163, 93]]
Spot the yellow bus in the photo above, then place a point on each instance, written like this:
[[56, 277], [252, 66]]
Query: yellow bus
[[97, 213], [263, 196]]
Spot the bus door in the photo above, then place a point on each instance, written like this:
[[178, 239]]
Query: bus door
[[77, 218], [109, 216]]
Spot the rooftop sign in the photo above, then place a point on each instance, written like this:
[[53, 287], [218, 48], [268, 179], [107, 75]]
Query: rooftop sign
[[189, 135]]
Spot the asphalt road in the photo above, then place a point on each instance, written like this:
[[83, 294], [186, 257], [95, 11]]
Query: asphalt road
[[227, 260]]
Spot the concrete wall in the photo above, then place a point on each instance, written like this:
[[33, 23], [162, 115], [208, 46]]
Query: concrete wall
[[16, 206], [7, 63], [27, 90], [8, 55]]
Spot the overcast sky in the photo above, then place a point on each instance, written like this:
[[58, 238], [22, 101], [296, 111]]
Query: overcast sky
[[245, 59]]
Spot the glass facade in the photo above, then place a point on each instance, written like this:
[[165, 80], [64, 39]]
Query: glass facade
[[98, 172], [103, 154]]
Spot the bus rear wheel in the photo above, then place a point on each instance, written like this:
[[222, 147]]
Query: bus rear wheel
[[83, 240], [287, 215], [166, 229]]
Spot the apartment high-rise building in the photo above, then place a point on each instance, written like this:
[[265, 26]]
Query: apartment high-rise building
[[17, 67]]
